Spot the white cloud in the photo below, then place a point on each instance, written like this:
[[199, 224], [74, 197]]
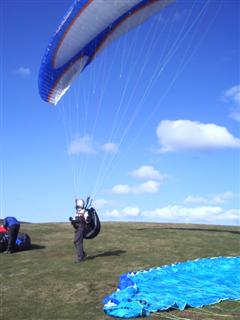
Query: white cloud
[[222, 198], [101, 203], [203, 214], [87, 145], [146, 187], [110, 148], [126, 212], [186, 135], [235, 114], [121, 189], [195, 199], [146, 172], [23, 72], [215, 199], [179, 214], [232, 96], [82, 145]]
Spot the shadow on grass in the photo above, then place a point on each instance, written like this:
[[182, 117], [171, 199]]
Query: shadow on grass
[[33, 247], [36, 247], [106, 254], [190, 229], [205, 230]]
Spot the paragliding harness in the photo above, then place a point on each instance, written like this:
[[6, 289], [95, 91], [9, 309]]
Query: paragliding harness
[[93, 225], [23, 241], [3, 242]]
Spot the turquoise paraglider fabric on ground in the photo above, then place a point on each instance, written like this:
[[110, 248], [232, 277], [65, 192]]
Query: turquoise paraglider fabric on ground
[[193, 283]]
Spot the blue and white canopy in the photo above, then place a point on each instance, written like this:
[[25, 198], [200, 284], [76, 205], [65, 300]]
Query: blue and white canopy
[[194, 283], [87, 28]]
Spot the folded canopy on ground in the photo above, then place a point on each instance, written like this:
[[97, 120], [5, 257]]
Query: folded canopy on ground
[[195, 283]]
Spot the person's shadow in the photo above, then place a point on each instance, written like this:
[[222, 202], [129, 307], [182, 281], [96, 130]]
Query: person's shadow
[[106, 254], [32, 247], [36, 247]]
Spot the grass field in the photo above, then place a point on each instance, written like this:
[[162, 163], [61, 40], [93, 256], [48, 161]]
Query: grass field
[[44, 283]]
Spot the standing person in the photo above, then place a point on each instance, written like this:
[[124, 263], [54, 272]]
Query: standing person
[[80, 225], [12, 225]]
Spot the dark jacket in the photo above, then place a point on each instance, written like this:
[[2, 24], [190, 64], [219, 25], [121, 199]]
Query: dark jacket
[[77, 221]]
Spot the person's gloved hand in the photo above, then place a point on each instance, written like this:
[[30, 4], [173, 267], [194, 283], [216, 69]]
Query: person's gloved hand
[[70, 219]]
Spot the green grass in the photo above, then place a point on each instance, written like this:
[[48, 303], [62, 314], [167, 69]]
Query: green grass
[[45, 284]]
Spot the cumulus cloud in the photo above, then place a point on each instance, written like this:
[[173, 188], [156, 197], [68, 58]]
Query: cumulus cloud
[[146, 172], [179, 214], [121, 189], [222, 198], [203, 214], [235, 114], [23, 72], [101, 203], [82, 145], [215, 199], [232, 96], [146, 187], [87, 145], [110, 148], [186, 135], [125, 212], [195, 199]]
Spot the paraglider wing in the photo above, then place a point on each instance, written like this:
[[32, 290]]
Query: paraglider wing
[[87, 28], [196, 283]]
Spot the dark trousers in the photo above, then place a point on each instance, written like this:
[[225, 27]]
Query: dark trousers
[[12, 237], [78, 241]]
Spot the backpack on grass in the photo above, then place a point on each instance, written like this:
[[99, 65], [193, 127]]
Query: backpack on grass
[[23, 241]]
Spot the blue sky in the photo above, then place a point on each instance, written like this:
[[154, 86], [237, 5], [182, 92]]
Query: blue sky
[[150, 129]]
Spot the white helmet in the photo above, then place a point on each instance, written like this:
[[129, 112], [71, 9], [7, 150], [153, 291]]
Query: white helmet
[[79, 203]]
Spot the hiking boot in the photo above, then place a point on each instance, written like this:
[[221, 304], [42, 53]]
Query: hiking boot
[[79, 261], [7, 252], [82, 259]]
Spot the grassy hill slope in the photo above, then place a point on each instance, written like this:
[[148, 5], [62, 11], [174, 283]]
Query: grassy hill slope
[[45, 284]]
